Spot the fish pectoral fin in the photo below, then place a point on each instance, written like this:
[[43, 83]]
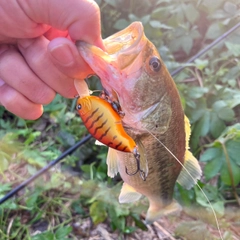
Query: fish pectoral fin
[[192, 172], [128, 194], [143, 157], [154, 213], [112, 163]]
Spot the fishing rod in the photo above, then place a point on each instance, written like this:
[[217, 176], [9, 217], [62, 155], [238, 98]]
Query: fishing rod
[[85, 139], [202, 52], [46, 168]]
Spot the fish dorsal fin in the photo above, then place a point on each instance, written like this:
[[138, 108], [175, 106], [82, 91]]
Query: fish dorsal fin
[[187, 127], [190, 163], [112, 163], [128, 194], [143, 157]]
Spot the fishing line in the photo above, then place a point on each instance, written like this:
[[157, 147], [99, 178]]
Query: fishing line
[[44, 169], [214, 213]]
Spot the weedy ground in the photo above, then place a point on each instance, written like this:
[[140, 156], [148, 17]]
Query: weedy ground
[[68, 203]]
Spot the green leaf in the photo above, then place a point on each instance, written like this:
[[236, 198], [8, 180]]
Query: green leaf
[[214, 31], [233, 149], [190, 12], [129, 230], [218, 105], [203, 125], [233, 48], [121, 24], [45, 235], [212, 195], [9, 205], [186, 43], [98, 212], [5, 187], [31, 201], [158, 24], [3, 162], [219, 207], [139, 223], [225, 176], [230, 8], [226, 114], [184, 196], [210, 154], [117, 221], [145, 19], [213, 167], [216, 125], [201, 64], [62, 232], [197, 92]]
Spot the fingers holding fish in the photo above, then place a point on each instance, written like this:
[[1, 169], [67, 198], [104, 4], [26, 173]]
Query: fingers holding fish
[[19, 82], [67, 59], [37, 57]]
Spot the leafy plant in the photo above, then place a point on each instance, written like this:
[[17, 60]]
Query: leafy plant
[[222, 156]]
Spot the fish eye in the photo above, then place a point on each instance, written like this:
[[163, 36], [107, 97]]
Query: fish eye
[[155, 64], [79, 107]]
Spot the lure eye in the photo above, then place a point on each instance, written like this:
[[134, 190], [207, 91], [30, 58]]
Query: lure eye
[[155, 64], [79, 107]]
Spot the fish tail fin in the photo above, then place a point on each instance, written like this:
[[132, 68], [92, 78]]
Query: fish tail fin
[[155, 212]]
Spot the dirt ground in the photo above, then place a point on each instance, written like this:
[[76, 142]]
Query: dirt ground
[[182, 226], [189, 224]]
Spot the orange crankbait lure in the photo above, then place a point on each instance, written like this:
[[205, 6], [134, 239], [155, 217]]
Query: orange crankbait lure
[[104, 124]]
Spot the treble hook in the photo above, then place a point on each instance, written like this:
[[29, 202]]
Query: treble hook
[[141, 172]]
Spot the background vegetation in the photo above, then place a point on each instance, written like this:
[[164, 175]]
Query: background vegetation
[[79, 187]]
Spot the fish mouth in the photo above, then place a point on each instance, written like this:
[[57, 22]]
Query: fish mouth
[[120, 58]]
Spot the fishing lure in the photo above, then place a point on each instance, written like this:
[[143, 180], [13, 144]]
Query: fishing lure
[[103, 121]]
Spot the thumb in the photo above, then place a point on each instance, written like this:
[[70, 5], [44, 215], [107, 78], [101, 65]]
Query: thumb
[[67, 59]]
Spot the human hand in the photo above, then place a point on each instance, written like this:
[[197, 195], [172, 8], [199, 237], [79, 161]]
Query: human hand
[[38, 56]]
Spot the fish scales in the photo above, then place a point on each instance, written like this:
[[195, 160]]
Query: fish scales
[[161, 175]]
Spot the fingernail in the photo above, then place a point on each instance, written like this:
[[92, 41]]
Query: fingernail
[[63, 54], [1, 82]]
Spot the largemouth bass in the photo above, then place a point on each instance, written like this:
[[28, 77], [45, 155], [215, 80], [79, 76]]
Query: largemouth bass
[[133, 74]]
